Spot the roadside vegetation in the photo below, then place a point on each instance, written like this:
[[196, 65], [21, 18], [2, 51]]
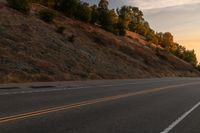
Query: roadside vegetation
[[41, 47], [116, 21], [46, 15]]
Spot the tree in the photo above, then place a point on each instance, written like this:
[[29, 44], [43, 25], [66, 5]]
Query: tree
[[167, 41], [142, 28], [124, 19], [69, 7], [137, 14], [190, 57], [125, 15], [107, 18], [112, 20], [151, 36], [132, 19], [103, 4], [20, 5], [121, 28], [94, 14], [103, 12], [84, 12]]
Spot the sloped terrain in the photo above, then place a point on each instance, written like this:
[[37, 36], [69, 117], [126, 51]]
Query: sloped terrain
[[32, 50]]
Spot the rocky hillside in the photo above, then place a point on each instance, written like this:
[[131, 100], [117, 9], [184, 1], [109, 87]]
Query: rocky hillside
[[32, 50]]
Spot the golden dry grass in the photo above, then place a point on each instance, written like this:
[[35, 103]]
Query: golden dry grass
[[32, 50]]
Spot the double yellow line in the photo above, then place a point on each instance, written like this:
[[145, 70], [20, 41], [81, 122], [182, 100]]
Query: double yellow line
[[84, 103]]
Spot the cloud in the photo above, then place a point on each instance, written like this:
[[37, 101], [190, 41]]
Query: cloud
[[174, 17], [152, 4], [181, 20], [146, 4]]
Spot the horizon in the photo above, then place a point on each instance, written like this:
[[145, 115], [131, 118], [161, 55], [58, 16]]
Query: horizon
[[169, 16]]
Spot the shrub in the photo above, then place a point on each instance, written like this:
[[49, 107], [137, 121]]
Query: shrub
[[47, 15], [60, 29], [69, 7], [127, 50], [20, 5], [71, 38]]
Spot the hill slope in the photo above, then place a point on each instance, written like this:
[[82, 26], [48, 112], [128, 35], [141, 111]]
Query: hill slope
[[32, 50]]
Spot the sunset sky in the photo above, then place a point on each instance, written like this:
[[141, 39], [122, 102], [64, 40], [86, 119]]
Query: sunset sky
[[180, 17]]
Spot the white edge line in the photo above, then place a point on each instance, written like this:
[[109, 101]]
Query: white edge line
[[176, 122]]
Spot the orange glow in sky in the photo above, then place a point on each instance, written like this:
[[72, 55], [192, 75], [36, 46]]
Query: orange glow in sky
[[182, 21], [180, 17]]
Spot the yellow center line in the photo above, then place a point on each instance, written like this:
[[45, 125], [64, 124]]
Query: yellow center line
[[84, 103]]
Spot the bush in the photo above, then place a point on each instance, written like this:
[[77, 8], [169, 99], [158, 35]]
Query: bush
[[60, 29], [71, 38], [20, 5], [69, 7], [47, 15]]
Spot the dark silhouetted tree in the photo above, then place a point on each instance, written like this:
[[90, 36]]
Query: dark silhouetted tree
[[69, 7], [84, 12], [107, 18], [94, 14], [190, 56], [103, 4]]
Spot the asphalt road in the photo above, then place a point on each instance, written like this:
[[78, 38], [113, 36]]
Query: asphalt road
[[168, 105]]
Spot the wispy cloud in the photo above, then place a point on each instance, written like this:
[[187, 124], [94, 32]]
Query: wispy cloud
[[146, 4], [181, 17], [182, 20], [151, 4]]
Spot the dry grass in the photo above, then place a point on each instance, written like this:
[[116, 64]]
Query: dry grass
[[32, 50]]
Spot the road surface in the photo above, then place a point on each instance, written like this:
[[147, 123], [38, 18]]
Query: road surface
[[168, 105]]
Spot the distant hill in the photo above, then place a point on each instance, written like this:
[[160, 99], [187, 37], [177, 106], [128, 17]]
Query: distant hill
[[32, 50]]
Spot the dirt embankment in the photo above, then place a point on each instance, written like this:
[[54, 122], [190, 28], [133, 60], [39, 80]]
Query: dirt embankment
[[32, 50]]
